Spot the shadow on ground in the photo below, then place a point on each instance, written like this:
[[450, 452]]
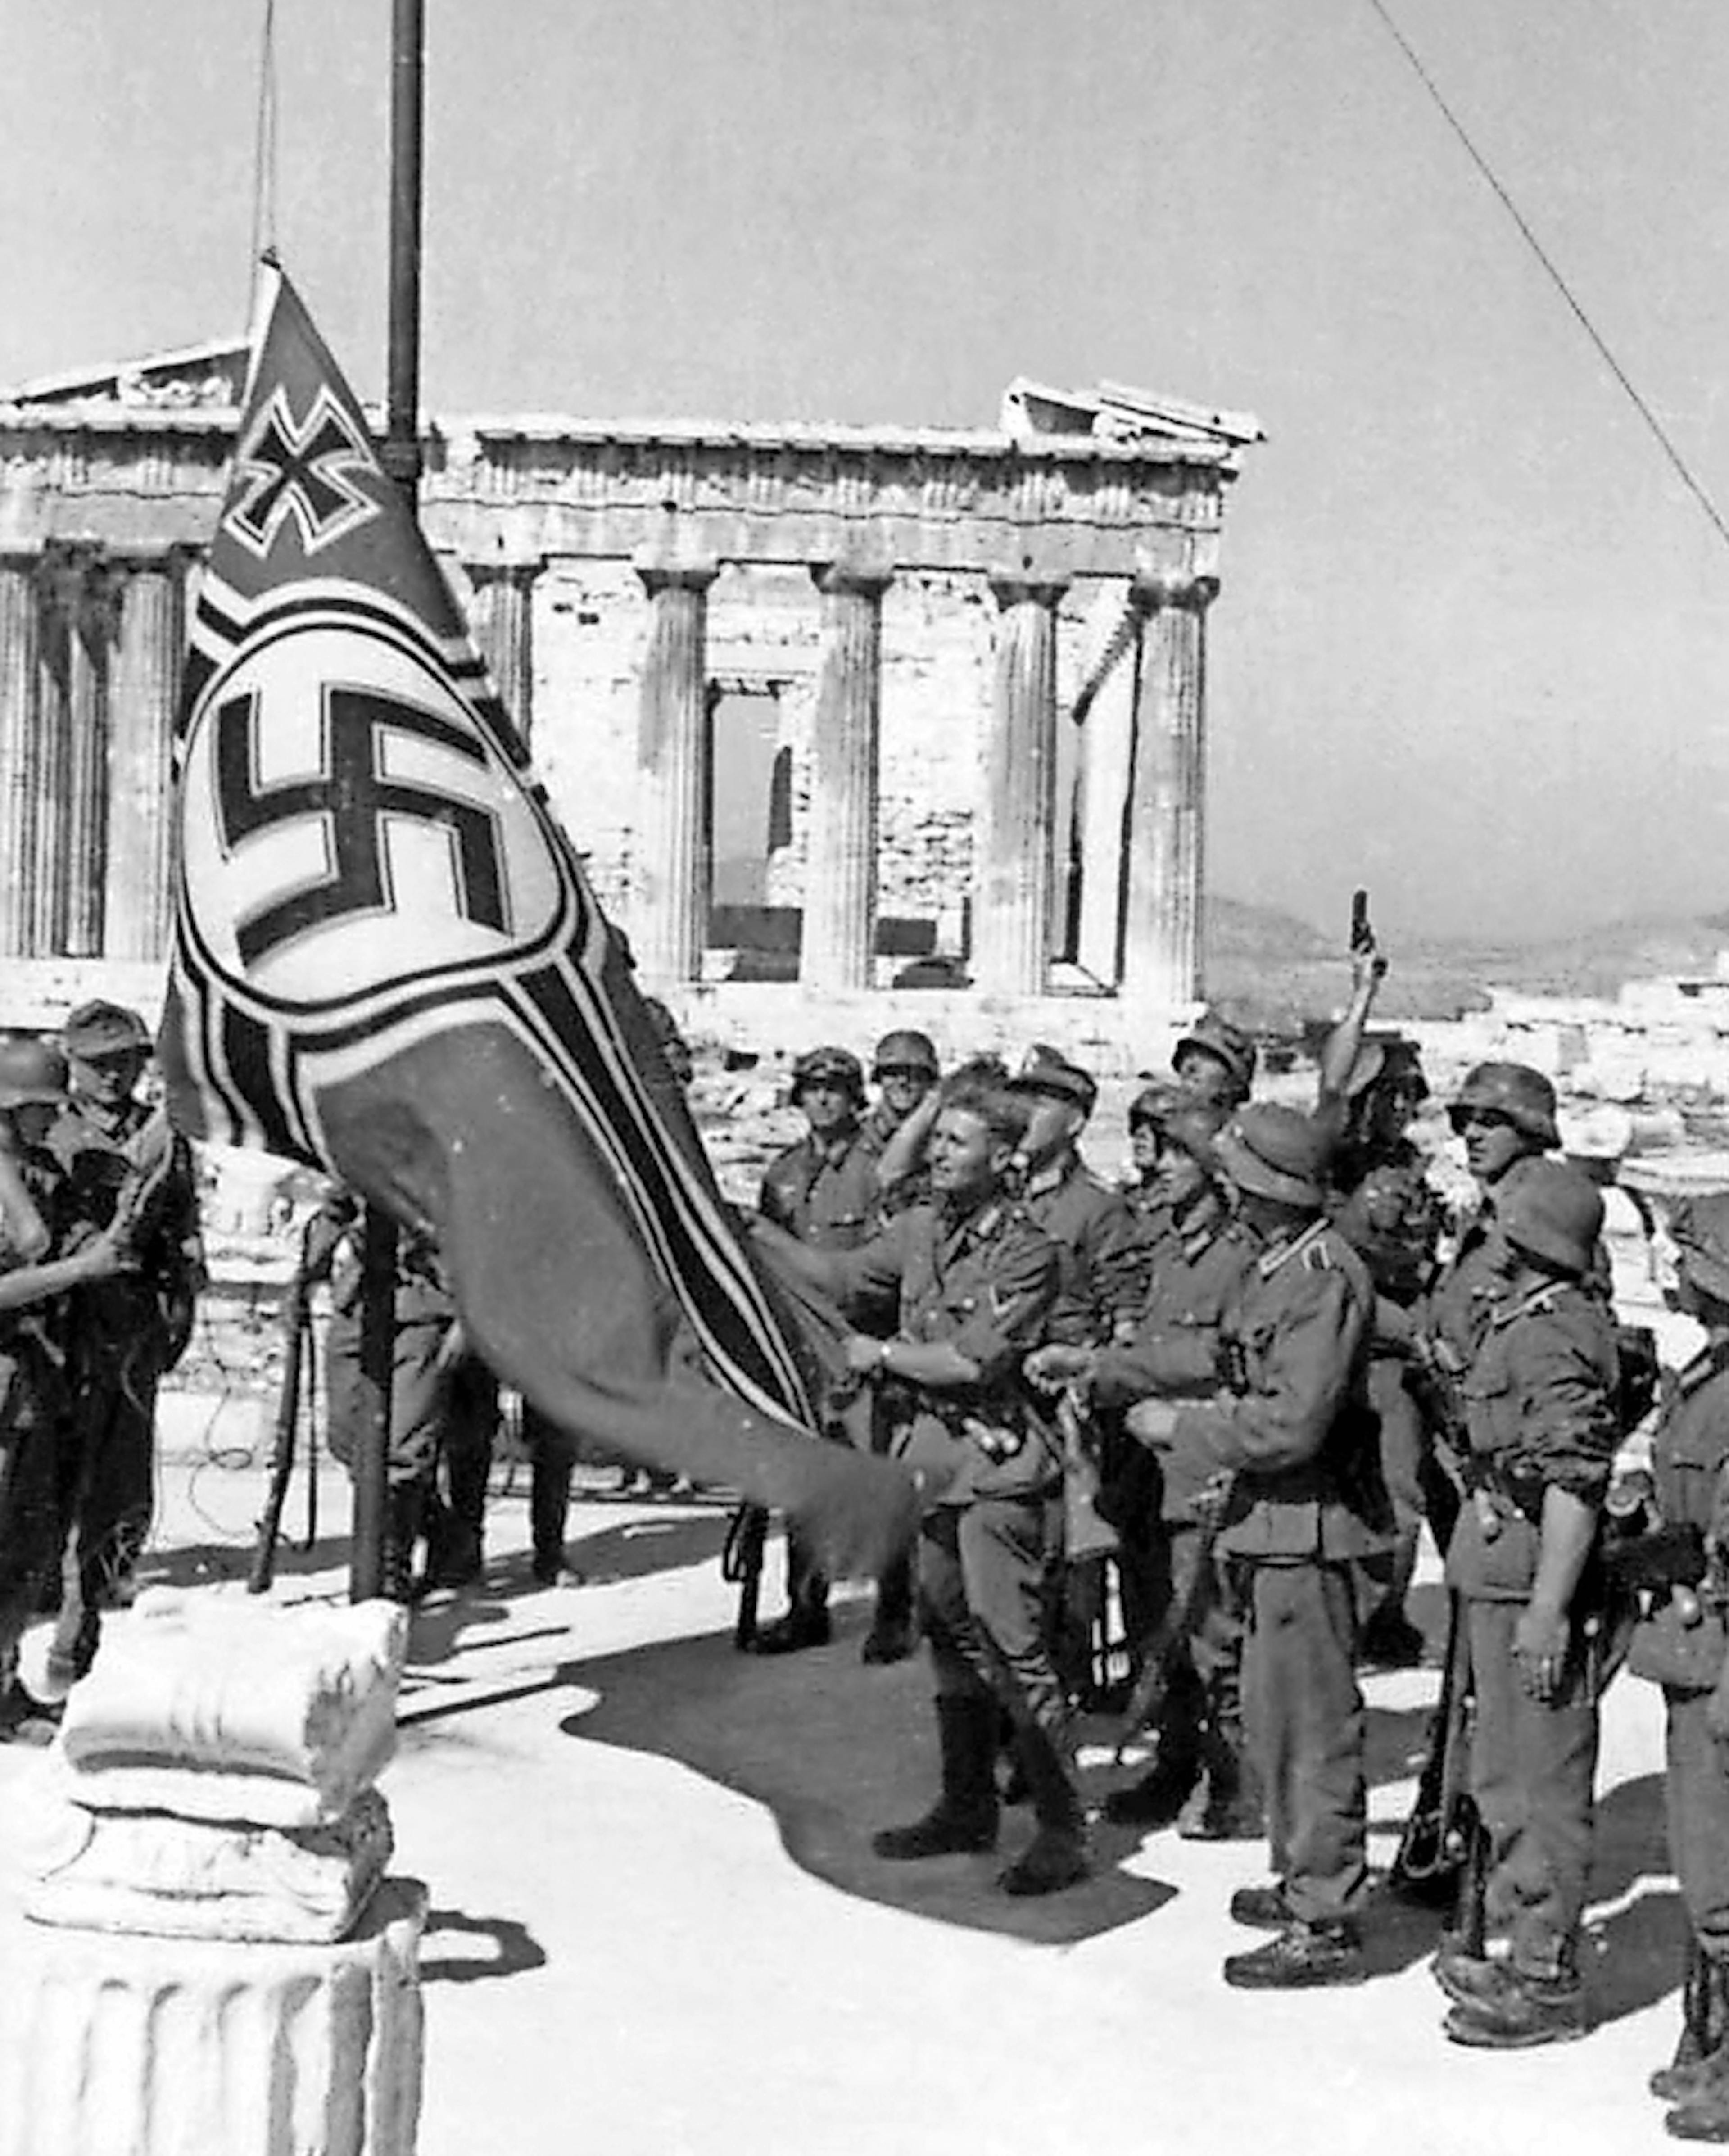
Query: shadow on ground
[[834, 1750]]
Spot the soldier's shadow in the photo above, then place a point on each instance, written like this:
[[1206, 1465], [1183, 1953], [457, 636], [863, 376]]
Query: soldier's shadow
[[834, 1750], [1638, 1945]]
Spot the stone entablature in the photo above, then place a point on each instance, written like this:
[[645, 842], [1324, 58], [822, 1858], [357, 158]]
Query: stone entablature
[[933, 612]]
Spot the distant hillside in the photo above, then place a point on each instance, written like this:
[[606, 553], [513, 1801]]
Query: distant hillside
[[1275, 971]]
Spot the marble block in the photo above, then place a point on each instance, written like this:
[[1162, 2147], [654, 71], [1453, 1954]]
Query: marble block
[[117, 2046], [148, 1871], [226, 1709]]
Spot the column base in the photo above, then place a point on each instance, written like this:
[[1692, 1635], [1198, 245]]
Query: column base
[[181, 2047]]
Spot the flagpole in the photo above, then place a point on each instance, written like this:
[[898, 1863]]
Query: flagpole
[[400, 458]]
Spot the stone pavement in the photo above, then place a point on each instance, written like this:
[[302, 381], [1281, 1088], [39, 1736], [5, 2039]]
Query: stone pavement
[[657, 1926]]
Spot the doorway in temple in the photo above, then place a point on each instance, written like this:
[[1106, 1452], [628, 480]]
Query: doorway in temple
[[750, 807]]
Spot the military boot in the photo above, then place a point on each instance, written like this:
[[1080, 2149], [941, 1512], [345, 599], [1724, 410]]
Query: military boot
[[1703, 2114], [1703, 2028], [1300, 1959], [459, 1559], [894, 1627], [1157, 1798], [405, 1518], [806, 1623], [1522, 2009], [963, 1821], [1057, 1855]]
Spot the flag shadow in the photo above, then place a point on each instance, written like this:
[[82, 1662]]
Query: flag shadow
[[834, 1749]]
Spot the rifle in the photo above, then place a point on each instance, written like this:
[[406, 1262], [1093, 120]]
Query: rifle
[[741, 1564], [1443, 1850], [297, 1325], [1162, 1651]]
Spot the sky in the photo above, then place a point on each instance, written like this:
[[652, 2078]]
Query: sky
[[1472, 645]]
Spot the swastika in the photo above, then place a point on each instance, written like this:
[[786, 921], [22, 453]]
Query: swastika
[[353, 799], [305, 471]]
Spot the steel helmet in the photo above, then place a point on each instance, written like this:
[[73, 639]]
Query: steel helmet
[[1524, 1096], [30, 1071], [1156, 1102], [1275, 1151], [828, 1066], [1226, 1042], [1700, 1230], [1194, 1127], [905, 1051], [1553, 1211]]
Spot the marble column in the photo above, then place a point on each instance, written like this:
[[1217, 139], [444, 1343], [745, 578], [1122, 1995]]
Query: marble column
[[839, 927], [1107, 736], [1013, 863], [672, 867], [143, 692], [20, 660], [50, 894], [502, 615], [91, 638], [1162, 925]]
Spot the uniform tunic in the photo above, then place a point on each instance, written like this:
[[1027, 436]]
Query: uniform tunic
[[1102, 1277], [992, 1534], [125, 1333], [824, 1194], [33, 1398], [1690, 1464], [1308, 1515], [1539, 1409]]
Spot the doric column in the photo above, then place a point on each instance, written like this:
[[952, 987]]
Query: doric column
[[502, 615], [672, 866], [143, 692], [20, 659], [1014, 863], [1162, 926], [90, 636], [51, 765], [839, 928], [1106, 712]]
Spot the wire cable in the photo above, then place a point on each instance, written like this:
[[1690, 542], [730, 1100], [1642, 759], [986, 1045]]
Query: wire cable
[[1677, 462]]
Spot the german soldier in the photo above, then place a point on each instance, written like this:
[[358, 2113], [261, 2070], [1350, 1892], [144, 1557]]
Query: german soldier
[[1216, 1060], [1308, 1518], [1682, 1643], [45, 1254], [975, 1281], [823, 1190], [1168, 1565], [126, 1332], [1541, 1429]]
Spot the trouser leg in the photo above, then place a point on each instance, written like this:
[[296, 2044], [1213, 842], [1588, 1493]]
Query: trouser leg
[[1308, 1727], [552, 1455], [1533, 1763]]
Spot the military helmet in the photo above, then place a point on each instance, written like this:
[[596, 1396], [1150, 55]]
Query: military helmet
[[1194, 1125], [828, 1066], [1523, 1096], [1049, 1072], [1226, 1042], [905, 1050], [1699, 1227], [105, 1028], [30, 1071], [1154, 1104], [1275, 1151], [1553, 1211], [1390, 1060]]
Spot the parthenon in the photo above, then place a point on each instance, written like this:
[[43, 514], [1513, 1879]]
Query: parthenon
[[903, 694]]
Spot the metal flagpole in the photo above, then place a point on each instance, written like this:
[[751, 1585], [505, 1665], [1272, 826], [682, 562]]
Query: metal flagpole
[[400, 458]]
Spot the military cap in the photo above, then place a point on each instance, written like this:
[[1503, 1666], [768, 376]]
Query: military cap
[[1699, 1227], [30, 1071], [1054, 1076], [904, 1050], [1275, 1151], [829, 1067], [1226, 1042], [1521, 1095], [102, 1028], [1553, 1211]]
